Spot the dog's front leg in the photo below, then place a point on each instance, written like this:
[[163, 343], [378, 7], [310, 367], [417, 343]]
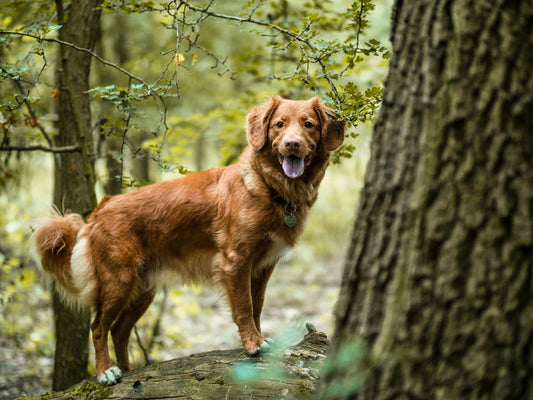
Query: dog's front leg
[[259, 283], [236, 279]]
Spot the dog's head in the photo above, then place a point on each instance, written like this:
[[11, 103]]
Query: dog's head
[[295, 132]]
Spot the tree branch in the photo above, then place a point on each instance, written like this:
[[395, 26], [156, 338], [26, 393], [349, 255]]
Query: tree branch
[[64, 149], [287, 32], [249, 20], [149, 88], [92, 53], [27, 103]]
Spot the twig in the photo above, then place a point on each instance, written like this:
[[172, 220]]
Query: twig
[[156, 331], [357, 36], [145, 352]]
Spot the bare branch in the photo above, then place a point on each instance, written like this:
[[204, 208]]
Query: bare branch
[[63, 149]]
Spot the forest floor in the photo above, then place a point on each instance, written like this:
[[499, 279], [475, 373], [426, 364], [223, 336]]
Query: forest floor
[[198, 321]]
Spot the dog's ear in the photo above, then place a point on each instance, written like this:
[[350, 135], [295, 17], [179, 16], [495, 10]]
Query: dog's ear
[[259, 121], [332, 125]]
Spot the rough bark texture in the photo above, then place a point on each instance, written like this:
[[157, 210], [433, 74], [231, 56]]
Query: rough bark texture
[[438, 281], [74, 174], [213, 375]]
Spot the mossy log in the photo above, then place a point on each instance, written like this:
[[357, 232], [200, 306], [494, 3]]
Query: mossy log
[[290, 373]]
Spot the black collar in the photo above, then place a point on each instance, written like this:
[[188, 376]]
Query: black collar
[[279, 199]]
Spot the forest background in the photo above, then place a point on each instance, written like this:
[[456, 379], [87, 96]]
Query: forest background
[[209, 74]]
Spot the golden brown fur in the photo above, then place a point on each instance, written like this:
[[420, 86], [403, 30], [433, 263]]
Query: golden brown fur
[[225, 225]]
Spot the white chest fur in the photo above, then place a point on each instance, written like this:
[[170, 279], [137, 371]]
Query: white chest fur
[[277, 249]]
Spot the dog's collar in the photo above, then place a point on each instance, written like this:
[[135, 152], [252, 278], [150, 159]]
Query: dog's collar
[[279, 199], [290, 208]]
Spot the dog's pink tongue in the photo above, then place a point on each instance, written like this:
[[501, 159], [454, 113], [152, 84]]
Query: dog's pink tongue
[[293, 166]]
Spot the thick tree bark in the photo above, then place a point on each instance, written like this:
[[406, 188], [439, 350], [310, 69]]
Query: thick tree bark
[[74, 173], [291, 374], [438, 280]]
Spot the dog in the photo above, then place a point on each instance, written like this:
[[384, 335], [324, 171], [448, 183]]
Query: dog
[[228, 225]]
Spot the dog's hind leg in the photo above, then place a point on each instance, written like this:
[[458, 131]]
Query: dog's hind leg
[[121, 329], [113, 299]]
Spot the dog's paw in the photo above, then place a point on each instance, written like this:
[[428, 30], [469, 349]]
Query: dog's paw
[[255, 350], [110, 376]]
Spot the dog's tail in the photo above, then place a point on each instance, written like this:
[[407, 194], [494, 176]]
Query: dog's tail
[[61, 243]]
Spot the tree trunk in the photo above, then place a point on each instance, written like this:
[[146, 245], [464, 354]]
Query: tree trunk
[[74, 173], [436, 300], [112, 145], [229, 374]]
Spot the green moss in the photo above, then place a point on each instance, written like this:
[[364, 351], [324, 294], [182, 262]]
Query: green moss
[[92, 389], [42, 397], [85, 390]]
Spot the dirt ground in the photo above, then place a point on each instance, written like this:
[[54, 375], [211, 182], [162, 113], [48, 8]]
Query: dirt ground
[[199, 320]]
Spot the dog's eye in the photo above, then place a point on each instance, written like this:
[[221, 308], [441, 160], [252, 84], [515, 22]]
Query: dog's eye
[[279, 124], [308, 124]]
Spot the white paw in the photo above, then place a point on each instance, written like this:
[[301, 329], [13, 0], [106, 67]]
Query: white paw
[[255, 351], [264, 347], [110, 376]]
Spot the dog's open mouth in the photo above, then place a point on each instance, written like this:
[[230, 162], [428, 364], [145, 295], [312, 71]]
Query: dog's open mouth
[[294, 166]]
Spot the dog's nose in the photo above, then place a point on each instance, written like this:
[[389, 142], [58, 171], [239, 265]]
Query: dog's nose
[[292, 144]]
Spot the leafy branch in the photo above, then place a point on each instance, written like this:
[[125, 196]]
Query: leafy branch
[[321, 63], [312, 50], [40, 38], [25, 101], [205, 11], [149, 88]]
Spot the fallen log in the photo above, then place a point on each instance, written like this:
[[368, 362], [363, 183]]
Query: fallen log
[[289, 373]]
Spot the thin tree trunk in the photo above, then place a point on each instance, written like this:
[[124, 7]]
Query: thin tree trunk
[[115, 168], [74, 173], [436, 300]]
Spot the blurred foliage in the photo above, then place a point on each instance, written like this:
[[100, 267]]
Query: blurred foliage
[[20, 288], [351, 358], [170, 91]]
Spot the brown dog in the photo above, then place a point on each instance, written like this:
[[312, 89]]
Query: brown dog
[[229, 225]]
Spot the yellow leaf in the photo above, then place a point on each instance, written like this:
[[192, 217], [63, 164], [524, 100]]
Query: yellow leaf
[[14, 261], [27, 279], [178, 59], [6, 21], [194, 59]]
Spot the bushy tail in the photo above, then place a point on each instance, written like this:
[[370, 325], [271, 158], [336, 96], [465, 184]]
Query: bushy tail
[[55, 238]]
